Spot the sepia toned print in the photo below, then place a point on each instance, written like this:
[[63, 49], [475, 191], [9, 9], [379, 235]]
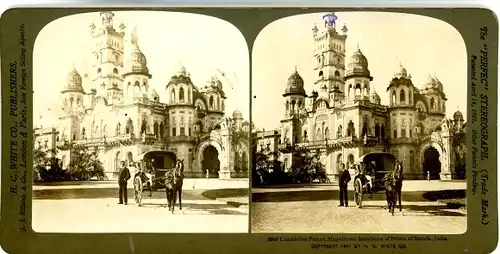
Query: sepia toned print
[[367, 134], [139, 124]]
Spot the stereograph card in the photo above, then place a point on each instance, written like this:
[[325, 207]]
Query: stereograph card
[[250, 130]]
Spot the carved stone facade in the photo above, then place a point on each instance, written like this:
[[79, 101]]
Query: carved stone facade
[[343, 118], [114, 110]]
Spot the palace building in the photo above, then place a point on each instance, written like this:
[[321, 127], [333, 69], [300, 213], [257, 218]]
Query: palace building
[[113, 110], [343, 117]]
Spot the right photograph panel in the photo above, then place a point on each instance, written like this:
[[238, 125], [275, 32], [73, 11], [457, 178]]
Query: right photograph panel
[[360, 125]]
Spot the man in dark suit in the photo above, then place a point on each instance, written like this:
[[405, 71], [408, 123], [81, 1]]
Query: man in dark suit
[[123, 177], [344, 179]]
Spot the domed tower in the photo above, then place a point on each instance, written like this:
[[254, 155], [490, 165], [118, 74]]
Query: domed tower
[[402, 116], [72, 99], [374, 97], [458, 120], [357, 77], [180, 105], [238, 119], [435, 100], [329, 52], [136, 73], [107, 50], [295, 96]]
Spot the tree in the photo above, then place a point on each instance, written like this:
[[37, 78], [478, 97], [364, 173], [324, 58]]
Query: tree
[[306, 168], [85, 165], [47, 168]]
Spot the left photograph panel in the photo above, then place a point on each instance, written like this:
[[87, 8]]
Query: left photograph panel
[[140, 124]]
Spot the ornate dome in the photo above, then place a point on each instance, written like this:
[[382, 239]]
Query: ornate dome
[[374, 97], [358, 65], [74, 81], [237, 114], [295, 84], [401, 72], [438, 84], [458, 116], [430, 83], [138, 62]]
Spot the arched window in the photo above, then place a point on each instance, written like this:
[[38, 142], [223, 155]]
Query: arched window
[[300, 104], [71, 101], [137, 87], [327, 133], [172, 96], [364, 131], [211, 102], [143, 126], [189, 94], [318, 134], [181, 94], [350, 129], [358, 88], [156, 130], [161, 129], [129, 127], [115, 71], [403, 132], [377, 130], [349, 91], [293, 105], [99, 71], [83, 132], [118, 127], [394, 132], [339, 131], [393, 98], [337, 74], [305, 136], [402, 96], [320, 74], [433, 104]]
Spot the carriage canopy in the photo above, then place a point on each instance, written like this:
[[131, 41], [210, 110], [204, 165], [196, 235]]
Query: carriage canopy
[[162, 159], [380, 162]]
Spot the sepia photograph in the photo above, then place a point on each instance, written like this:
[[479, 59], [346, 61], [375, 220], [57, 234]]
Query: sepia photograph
[[360, 125], [141, 124]]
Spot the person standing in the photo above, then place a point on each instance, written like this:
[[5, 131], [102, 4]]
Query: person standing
[[123, 177], [345, 178]]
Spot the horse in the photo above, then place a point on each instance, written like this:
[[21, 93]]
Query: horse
[[393, 183], [173, 185]]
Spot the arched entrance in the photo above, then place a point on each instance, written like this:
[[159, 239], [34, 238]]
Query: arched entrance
[[210, 161], [431, 163]]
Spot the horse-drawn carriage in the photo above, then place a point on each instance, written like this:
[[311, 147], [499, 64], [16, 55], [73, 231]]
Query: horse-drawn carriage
[[157, 170], [375, 173]]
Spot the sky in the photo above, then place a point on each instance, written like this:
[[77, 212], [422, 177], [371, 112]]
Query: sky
[[423, 45], [201, 43]]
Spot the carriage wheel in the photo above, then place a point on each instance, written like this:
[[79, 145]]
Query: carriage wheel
[[358, 193], [138, 189]]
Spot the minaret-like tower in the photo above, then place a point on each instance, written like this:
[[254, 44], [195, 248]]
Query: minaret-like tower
[[136, 72], [295, 96], [329, 52], [403, 117], [357, 77], [107, 51], [72, 103]]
